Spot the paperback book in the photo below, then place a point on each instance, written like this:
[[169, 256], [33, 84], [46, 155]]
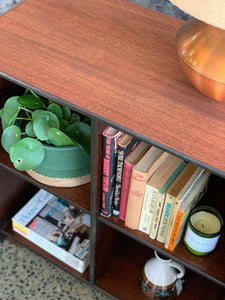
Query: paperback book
[[186, 206], [110, 144], [131, 160], [125, 145], [57, 227], [167, 172], [141, 172], [174, 192], [187, 190]]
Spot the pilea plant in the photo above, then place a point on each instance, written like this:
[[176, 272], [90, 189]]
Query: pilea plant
[[30, 121]]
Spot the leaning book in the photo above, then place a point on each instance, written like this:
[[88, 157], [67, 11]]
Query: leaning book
[[56, 226], [110, 139]]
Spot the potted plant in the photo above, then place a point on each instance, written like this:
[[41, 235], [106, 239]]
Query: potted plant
[[47, 140]]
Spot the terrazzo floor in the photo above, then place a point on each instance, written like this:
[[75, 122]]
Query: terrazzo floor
[[24, 275]]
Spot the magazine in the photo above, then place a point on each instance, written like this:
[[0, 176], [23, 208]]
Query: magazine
[[57, 227]]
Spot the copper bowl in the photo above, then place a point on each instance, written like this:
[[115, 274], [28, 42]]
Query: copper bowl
[[201, 50]]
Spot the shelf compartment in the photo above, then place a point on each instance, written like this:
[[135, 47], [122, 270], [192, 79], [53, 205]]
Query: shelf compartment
[[80, 195], [14, 236], [12, 200], [14, 194], [119, 276], [211, 266]]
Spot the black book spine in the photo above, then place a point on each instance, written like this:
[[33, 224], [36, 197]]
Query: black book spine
[[108, 174], [123, 152]]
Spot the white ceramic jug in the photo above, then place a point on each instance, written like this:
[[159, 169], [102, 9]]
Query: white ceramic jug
[[159, 276]]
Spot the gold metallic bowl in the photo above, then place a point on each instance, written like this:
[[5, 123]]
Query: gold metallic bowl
[[201, 50]]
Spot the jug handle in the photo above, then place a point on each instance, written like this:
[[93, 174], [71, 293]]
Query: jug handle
[[179, 267]]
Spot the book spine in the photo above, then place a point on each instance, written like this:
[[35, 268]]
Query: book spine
[[166, 215], [181, 217], [123, 152], [135, 199], [175, 230], [108, 174], [156, 216], [127, 172], [71, 260], [119, 170], [148, 209], [171, 224]]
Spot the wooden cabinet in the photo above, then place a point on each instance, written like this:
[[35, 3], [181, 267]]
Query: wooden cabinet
[[116, 62]]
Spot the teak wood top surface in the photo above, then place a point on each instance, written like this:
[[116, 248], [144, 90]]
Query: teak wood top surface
[[117, 60]]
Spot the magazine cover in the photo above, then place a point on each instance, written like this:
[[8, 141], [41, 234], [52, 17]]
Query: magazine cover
[[57, 227]]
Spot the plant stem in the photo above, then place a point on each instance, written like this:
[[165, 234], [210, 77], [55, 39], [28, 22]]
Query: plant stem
[[14, 117], [26, 109], [29, 119]]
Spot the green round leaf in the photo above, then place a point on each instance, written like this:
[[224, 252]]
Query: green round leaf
[[10, 136], [55, 109], [1, 112], [74, 118], [58, 138], [11, 109], [87, 120], [29, 129], [63, 124], [80, 132], [31, 101], [27, 154], [36, 112], [66, 113], [4, 123], [43, 122]]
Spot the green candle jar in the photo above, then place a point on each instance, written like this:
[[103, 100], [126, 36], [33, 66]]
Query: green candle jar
[[203, 230]]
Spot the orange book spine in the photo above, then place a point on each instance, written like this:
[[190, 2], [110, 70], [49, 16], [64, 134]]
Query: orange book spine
[[175, 230]]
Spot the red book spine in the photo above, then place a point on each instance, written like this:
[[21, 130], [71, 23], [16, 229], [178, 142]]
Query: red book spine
[[127, 172]]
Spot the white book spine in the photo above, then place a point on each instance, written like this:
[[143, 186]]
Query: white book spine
[[157, 215], [148, 209], [164, 222]]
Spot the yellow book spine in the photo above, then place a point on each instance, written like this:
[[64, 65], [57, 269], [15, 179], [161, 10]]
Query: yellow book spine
[[20, 228]]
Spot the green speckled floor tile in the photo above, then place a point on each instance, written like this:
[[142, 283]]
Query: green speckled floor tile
[[25, 275]]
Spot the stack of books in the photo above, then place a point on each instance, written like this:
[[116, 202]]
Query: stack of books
[[56, 226], [149, 189]]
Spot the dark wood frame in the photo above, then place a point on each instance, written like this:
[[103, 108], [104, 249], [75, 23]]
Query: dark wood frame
[[116, 62]]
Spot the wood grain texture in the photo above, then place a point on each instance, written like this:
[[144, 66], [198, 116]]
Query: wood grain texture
[[116, 60]]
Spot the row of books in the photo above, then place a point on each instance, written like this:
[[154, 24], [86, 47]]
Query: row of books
[[56, 226], [151, 190]]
